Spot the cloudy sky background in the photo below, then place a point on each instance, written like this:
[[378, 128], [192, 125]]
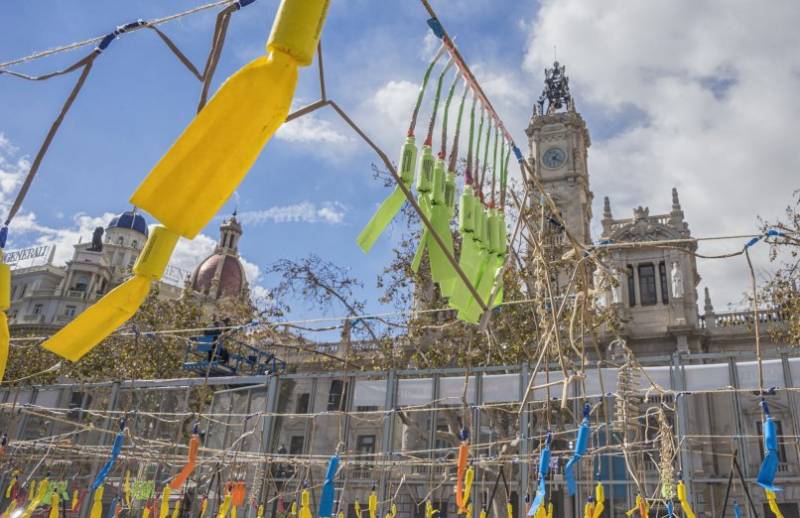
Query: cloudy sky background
[[702, 98]]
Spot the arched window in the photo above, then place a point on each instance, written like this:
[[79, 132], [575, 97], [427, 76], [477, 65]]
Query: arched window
[[120, 240], [135, 244]]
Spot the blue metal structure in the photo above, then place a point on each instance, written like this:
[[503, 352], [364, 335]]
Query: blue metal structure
[[212, 354]]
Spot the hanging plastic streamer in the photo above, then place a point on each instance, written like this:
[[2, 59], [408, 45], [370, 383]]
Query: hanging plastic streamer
[[146, 511], [188, 468], [260, 511], [328, 489], [176, 511], [164, 509], [116, 448], [204, 166], [126, 489], [737, 511], [442, 210], [357, 508], [581, 445], [666, 454], [203, 507], [372, 503], [55, 504], [112, 510], [429, 167], [305, 504], [544, 468], [12, 483], [430, 512], [640, 506], [468, 209], [773, 503], [685, 504], [463, 474], [36, 498], [408, 163], [75, 500], [670, 510], [97, 503], [225, 506], [769, 466], [596, 505]]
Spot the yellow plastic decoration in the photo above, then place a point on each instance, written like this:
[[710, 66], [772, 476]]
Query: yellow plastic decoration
[[641, 507], [90, 327], [176, 512], [36, 499], [599, 501], [164, 511], [340, 515], [483, 512], [126, 487], [305, 504], [234, 511], [5, 303], [216, 150], [260, 511], [293, 509], [226, 504], [146, 512], [357, 508], [55, 503], [32, 491], [12, 482], [509, 510], [203, 507], [685, 504], [430, 512], [468, 478], [773, 504], [74, 504], [97, 503], [12, 506], [393, 510], [372, 504]]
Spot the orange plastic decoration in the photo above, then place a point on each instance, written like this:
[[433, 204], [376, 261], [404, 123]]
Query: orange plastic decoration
[[188, 468]]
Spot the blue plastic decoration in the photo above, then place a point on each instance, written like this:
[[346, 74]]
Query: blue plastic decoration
[[113, 507], [581, 445], [769, 466], [670, 510], [328, 489], [737, 511], [544, 467], [116, 448]]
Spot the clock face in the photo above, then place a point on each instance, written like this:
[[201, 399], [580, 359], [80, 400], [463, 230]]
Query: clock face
[[554, 158]]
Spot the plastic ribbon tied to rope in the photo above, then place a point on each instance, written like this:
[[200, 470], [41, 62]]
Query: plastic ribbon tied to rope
[[372, 503], [37, 498], [639, 506], [97, 503], [737, 511], [464, 474], [670, 509], [773, 503], [769, 466], [328, 489], [204, 166], [188, 468], [116, 448], [305, 504], [581, 445], [596, 504], [544, 469], [684, 500]]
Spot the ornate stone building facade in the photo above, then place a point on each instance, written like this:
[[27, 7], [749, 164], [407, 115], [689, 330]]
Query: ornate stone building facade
[[46, 297]]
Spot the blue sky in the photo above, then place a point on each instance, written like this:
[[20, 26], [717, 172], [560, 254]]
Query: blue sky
[[670, 100]]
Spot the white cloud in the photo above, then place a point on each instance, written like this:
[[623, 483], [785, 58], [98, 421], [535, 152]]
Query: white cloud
[[706, 102], [310, 129], [332, 213]]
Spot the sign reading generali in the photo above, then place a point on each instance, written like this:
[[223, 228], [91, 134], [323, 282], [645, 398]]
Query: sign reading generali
[[32, 256]]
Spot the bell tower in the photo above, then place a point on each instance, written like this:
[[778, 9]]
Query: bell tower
[[558, 146]]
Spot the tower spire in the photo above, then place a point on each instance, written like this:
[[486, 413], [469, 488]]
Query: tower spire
[[556, 94]]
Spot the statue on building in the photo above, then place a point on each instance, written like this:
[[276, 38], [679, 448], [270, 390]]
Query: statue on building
[[97, 240], [556, 91], [677, 281]]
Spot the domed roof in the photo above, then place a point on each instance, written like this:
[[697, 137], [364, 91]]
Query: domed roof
[[231, 276], [132, 220]]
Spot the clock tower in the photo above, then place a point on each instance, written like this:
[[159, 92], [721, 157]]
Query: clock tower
[[558, 144]]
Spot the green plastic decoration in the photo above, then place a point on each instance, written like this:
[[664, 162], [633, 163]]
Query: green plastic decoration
[[408, 162]]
